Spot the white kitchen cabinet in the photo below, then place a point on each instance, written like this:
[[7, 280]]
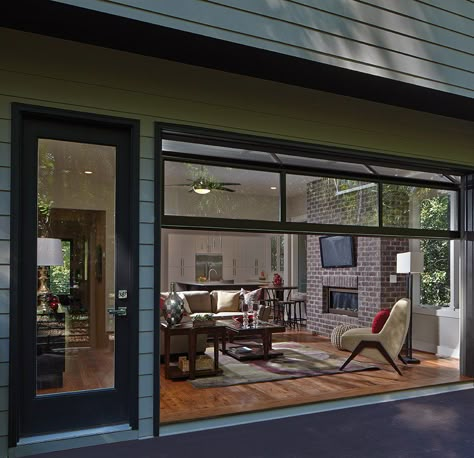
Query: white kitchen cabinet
[[248, 257], [174, 275], [229, 254], [208, 244], [181, 258]]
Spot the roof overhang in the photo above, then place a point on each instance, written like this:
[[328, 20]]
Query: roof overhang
[[83, 25]]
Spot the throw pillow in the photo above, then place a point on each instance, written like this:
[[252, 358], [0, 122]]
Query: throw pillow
[[187, 308], [379, 320], [227, 301], [252, 296]]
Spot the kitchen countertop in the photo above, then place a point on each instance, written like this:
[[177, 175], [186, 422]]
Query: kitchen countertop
[[219, 283], [189, 285]]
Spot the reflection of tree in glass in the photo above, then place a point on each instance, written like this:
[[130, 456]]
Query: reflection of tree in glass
[[396, 205], [400, 202], [46, 167], [217, 203], [60, 276], [435, 280], [357, 202]]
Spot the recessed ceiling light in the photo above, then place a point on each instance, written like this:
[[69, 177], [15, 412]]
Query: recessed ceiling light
[[88, 172], [273, 187]]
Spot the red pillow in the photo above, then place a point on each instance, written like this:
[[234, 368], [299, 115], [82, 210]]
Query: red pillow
[[379, 320]]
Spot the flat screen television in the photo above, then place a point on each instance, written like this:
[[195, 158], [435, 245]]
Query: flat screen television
[[337, 251]]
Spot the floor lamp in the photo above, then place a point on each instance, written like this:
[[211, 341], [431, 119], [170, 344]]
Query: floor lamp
[[49, 253], [410, 263]]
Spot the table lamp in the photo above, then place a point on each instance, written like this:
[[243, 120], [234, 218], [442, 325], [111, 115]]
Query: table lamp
[[410, 263], [49, 253]]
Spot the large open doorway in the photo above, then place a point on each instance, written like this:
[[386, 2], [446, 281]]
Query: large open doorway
[[273, 205]]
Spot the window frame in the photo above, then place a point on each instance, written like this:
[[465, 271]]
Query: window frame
[[201, 136]]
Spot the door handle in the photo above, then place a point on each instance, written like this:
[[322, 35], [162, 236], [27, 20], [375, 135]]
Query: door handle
[[119, 311]]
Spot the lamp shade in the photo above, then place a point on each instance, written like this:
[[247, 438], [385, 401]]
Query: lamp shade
[[410, 262], [49, 252]]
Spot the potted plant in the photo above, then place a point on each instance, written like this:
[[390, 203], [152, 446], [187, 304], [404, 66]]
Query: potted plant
[[206, 319]]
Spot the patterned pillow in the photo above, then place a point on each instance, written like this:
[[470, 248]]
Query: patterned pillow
[[337, 333], [252, 295]]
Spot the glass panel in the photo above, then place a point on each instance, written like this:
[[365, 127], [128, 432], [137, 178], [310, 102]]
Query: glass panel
[[414, 174], [419, 208], [325, 200], [436, 276], [221, 192], [311, 162], [216, 151], [76, 273]]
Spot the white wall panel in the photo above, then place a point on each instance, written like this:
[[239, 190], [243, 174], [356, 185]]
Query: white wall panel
[[411, 41]]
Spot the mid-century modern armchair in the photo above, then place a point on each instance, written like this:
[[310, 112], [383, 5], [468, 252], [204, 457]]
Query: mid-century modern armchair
[[384, 346]]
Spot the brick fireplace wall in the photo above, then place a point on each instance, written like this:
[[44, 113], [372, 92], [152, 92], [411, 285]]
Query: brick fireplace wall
[[376, 259]]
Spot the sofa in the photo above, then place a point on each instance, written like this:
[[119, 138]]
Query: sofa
[[224, 305]]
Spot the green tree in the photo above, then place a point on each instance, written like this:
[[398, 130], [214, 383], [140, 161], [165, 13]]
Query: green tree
[[435, 280]]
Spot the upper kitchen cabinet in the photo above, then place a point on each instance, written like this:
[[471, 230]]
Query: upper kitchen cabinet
[[181, 257], [208, 244]]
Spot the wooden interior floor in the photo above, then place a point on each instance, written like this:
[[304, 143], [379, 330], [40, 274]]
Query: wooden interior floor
[[180, 401], [86, 369]]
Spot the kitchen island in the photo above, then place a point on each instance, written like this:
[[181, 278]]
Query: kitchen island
[[221, 285]]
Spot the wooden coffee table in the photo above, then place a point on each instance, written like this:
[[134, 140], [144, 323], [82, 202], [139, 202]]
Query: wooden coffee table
[[216, 331], [264, 330]]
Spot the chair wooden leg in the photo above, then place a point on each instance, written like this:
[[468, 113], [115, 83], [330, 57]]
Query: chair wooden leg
[[356, 351], [400, 357], [371, 344]]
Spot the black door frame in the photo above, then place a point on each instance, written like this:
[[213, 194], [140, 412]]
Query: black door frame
[[128, 130]]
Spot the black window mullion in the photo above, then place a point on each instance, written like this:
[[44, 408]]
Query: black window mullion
[[283, 197], [380, 203]]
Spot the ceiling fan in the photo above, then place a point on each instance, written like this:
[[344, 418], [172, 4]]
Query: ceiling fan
[[205, 185]]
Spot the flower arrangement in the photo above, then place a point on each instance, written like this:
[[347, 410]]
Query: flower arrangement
[[277, 280]]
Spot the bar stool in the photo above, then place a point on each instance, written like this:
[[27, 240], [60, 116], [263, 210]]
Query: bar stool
[[300, 304], [277, 310]]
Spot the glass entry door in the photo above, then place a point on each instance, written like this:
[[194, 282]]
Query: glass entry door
[[75, 335], [76, 325]]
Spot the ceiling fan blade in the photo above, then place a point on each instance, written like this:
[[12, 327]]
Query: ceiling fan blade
[[225, 189], [179, 184], [228, 184]]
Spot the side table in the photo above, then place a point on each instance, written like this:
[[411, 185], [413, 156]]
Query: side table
[[173, 372]]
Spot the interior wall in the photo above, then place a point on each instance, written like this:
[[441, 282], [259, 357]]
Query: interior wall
[[437, 331]]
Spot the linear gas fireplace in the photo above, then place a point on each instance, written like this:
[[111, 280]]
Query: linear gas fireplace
[[342, 301]]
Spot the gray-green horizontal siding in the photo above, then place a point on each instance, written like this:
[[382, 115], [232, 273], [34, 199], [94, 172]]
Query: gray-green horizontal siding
[[417, 42]]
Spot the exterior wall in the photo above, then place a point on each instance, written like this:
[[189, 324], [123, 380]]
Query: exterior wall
[[101, 80], [56, 73], [424, 43]]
